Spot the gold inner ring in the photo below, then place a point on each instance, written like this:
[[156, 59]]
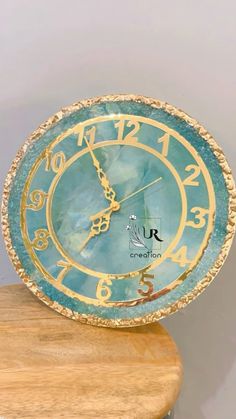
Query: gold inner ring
[[178, 280]]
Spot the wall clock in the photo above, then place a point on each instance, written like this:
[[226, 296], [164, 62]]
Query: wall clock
[[119, 210]]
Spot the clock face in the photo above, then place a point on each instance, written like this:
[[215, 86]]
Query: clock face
[[118, 212]]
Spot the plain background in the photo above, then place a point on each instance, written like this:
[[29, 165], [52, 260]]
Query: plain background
[[55, 52]]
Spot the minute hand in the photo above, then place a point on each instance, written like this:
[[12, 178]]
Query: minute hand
[[108, 191], [93, 217]]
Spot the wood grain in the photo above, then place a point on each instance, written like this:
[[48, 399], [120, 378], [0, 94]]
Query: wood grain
[[53, 367]]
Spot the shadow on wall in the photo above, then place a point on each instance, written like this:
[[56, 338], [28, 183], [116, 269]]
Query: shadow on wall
[[203, 332]]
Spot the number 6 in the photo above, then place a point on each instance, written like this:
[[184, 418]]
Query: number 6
[[103, 291]]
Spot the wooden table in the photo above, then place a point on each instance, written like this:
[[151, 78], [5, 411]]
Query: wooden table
[[53, 367]]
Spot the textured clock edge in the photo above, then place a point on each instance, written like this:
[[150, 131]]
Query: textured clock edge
[[183, 301]]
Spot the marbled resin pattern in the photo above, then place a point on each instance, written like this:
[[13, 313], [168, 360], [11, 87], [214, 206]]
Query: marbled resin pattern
[[77, 195]]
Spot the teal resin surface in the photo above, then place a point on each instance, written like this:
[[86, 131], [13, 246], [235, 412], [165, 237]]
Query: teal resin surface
[[122, 273]]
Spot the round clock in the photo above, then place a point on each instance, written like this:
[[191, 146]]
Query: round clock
[[119, 210]]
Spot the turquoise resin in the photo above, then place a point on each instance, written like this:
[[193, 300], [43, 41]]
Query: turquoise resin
[[143, 167]]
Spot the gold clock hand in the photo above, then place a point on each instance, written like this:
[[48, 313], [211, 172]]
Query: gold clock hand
[[108, 191], [100, 213], [101, 220], [140, 190], [99, 225]]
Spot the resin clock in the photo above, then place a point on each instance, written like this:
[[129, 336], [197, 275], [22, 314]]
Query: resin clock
[[118, 210]]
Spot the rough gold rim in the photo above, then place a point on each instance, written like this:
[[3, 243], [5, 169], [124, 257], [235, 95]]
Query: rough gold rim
[[183, 301]]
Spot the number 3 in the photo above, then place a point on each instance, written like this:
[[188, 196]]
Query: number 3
[[200, 216]]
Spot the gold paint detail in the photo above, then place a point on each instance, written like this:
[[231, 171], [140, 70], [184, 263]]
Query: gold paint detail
[[103, 291], [120, 125], [165, 139], [88, 135], [86, 270], [146, 283], [176, 282], [40, 241], [184, 300], [180, 257], [66, 268], [52, 188], [55, 162], [200, 214], [190, 180], [37, 197]]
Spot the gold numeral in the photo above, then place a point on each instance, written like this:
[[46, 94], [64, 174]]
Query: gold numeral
[[199, 216], [66, 267], [148, 284], [165, 139], [89, 134], [103, 291], [120, 125], [55, 162], [37, 198], [180, 257], [190, 180], [40, 241]]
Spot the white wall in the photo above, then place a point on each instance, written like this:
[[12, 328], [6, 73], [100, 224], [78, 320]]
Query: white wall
[[55, 52]]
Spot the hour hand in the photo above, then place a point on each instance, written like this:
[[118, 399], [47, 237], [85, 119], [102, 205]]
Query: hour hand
[[100, 224]]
